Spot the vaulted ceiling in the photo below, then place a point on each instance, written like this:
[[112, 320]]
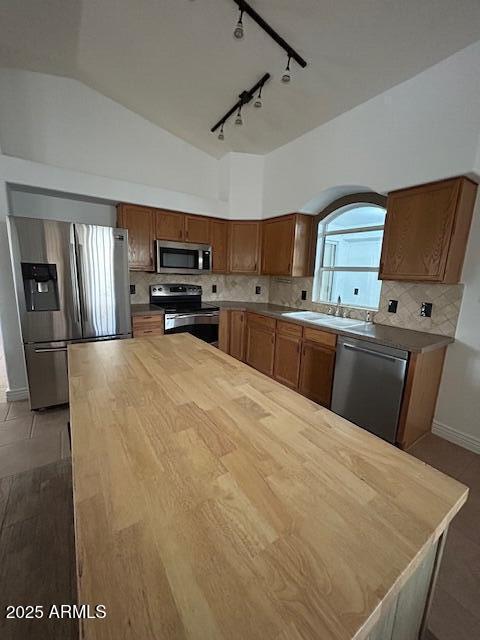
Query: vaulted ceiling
[[176, 63]]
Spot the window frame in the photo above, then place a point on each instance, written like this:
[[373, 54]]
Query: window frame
[[339, 207]]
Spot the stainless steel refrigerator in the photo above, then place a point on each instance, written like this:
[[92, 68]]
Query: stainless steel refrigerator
[[72, 285]]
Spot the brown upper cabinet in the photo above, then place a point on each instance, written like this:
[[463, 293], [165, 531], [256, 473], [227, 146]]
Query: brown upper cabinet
[[197, 229], [170, 225], [140, 222], [426, 231], [244, 246], [219, 240], [286, 245]]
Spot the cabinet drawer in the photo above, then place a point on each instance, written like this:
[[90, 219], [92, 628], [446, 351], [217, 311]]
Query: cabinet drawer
[[261, 321], [289, 329], [154, 319], [148, 330], [320, 337]]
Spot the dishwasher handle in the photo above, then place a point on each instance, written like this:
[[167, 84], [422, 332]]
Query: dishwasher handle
[[370, 352], [50, 349]]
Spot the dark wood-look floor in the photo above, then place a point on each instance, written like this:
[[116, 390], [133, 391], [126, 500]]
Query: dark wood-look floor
[[37, 563], [37, 545]]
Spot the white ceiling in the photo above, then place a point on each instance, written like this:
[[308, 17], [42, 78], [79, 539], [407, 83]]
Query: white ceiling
[[176, 63]]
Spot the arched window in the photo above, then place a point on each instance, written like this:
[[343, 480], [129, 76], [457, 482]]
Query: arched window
[[349, 245]]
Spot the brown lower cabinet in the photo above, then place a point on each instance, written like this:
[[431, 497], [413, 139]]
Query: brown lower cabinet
[[148, 325], [303, 359], [299, 358], [288, 350], [316, 372], [260, 346]]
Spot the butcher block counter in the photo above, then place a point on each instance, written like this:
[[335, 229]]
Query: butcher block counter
[[213, 503]]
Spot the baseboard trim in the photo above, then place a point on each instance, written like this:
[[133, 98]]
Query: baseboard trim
[[13, 395], [464, 440]]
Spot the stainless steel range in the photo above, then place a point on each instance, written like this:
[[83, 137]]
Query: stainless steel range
[[185, 312]]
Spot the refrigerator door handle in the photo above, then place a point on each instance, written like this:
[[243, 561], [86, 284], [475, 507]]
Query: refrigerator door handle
[[76, 292], [83, 297]]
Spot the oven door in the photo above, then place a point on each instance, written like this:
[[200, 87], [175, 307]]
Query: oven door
[[202, 325], [181, 257]]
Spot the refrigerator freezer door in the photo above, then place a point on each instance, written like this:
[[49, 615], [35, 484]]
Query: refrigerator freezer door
[[102, 261], [41, 246], [47, 373]]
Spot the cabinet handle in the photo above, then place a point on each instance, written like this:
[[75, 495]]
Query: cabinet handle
[[180, 234], [148, 331], [186, 234]]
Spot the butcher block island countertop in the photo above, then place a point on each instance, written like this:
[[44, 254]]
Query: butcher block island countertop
[[213, 503]]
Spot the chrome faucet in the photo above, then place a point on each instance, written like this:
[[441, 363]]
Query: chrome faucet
[[338, 309]]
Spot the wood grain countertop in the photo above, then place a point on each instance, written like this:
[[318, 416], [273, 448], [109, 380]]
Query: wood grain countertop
[[213, 503]]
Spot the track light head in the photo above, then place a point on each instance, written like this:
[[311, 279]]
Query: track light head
[[238, 32], [258, 102], [238, 119], [221, 135], [287, 75]]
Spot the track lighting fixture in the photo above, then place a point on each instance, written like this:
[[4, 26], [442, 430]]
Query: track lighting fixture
[[244, 7], [244, 98], [258, 102], [238, 119], [238, 32], [286, 75]]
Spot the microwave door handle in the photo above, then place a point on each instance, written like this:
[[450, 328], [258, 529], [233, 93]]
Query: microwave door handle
[[200, 260]]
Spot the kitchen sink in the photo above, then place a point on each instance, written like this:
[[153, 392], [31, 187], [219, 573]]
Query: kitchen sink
[[323, 319]]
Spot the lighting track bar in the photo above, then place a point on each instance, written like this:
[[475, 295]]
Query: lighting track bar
[[245, 98], [246, 8]]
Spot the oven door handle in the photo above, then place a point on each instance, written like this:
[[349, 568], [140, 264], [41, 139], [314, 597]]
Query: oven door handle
[[194, 315]]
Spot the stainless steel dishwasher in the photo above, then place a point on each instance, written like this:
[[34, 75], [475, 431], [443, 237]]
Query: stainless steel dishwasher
[[368, 385]]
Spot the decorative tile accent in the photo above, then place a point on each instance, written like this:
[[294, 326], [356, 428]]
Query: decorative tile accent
[[229, 287]]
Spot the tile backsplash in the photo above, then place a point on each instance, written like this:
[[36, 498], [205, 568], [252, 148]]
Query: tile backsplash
[[229, 287], [446, 299]]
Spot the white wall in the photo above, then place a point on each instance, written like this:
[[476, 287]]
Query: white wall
[[423, 129], [458, 407], [62, 122], [241, 184], [12, 340], [54, 207]]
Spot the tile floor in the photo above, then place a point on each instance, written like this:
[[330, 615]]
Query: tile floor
[[455, 613], [35, 455]]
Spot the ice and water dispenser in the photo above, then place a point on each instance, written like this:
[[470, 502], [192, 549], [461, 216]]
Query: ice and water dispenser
[[40, 285]]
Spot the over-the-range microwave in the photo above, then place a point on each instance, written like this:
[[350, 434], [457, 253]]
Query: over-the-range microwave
[[183, 257]]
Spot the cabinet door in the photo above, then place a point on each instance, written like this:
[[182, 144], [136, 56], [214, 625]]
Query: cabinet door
[[140, 222], [219, 239], [244, 241], [277, 246], [224, 330], [287, 359], [170, 225], [418, 228], [260, 348], [237, 334], [316, 373], [197, 229]]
